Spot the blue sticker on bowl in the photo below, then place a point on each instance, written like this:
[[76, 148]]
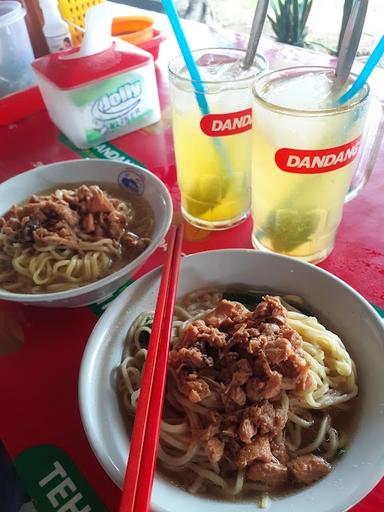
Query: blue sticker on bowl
[[132, 180]]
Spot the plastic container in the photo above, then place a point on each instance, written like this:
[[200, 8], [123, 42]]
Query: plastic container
[[153, 45], [16, 53], [101, 91], [20, 104], [133, 29], [138, 30], [55, 29]]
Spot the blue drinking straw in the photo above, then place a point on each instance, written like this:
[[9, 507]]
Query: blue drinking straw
[[365, 73], [170, 10]]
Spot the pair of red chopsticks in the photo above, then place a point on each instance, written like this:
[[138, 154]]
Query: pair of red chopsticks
[[138, 481]]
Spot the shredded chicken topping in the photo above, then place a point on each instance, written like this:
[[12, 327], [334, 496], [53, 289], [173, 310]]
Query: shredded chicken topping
[[240, 361], [86, 213]]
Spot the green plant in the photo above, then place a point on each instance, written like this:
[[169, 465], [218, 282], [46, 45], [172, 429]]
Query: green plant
[[290, 19]]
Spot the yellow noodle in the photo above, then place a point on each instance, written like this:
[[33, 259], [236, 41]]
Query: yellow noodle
[[195, 487], [317, 442], [333, 444], [182, 460]]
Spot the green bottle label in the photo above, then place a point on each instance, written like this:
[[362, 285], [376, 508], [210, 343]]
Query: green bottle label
[[105, 151], [99, 308], [54, 483], [379, 310]]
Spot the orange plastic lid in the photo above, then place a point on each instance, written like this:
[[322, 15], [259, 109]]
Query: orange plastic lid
[[133, 29]]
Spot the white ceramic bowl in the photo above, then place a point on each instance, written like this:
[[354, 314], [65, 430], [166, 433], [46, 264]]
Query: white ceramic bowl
[[346, 312], [22, 186]]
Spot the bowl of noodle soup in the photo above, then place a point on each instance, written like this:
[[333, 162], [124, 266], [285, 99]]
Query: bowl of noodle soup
[[275, 390], [73, 232]]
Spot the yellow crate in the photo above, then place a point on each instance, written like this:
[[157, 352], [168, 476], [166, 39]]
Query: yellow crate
[[73, 11]]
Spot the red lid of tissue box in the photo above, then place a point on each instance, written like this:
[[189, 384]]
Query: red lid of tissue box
[[68, 72]]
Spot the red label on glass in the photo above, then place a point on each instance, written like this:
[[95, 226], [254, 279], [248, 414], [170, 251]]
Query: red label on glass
[[315, 161], [218, 125]]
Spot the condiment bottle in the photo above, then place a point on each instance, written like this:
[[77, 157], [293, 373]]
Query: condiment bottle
[[55, 29]]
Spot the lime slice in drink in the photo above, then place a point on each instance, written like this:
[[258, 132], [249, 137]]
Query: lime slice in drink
[[287, 229], [204, 194], [228, 208]]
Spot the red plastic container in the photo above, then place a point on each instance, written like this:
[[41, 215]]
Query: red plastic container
[[153, 46], [21, 104]]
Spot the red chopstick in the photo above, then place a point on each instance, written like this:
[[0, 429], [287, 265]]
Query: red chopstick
[[145, 436]]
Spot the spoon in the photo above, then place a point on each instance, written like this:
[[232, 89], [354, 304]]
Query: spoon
[[255, 34], [349, 44]]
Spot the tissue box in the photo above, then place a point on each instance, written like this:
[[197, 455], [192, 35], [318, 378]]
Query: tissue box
[[99, 97]]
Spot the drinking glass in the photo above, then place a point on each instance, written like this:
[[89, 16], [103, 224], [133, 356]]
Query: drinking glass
[[310, 155], [213, 147]]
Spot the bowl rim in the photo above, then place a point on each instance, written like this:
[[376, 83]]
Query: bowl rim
[[91, 287], [104, 323]]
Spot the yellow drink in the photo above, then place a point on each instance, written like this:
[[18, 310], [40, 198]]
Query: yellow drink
[[304, 155], [213, 150], [210, 191]]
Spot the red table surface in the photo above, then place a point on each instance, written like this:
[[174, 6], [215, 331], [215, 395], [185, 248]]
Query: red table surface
[[38, 378]]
